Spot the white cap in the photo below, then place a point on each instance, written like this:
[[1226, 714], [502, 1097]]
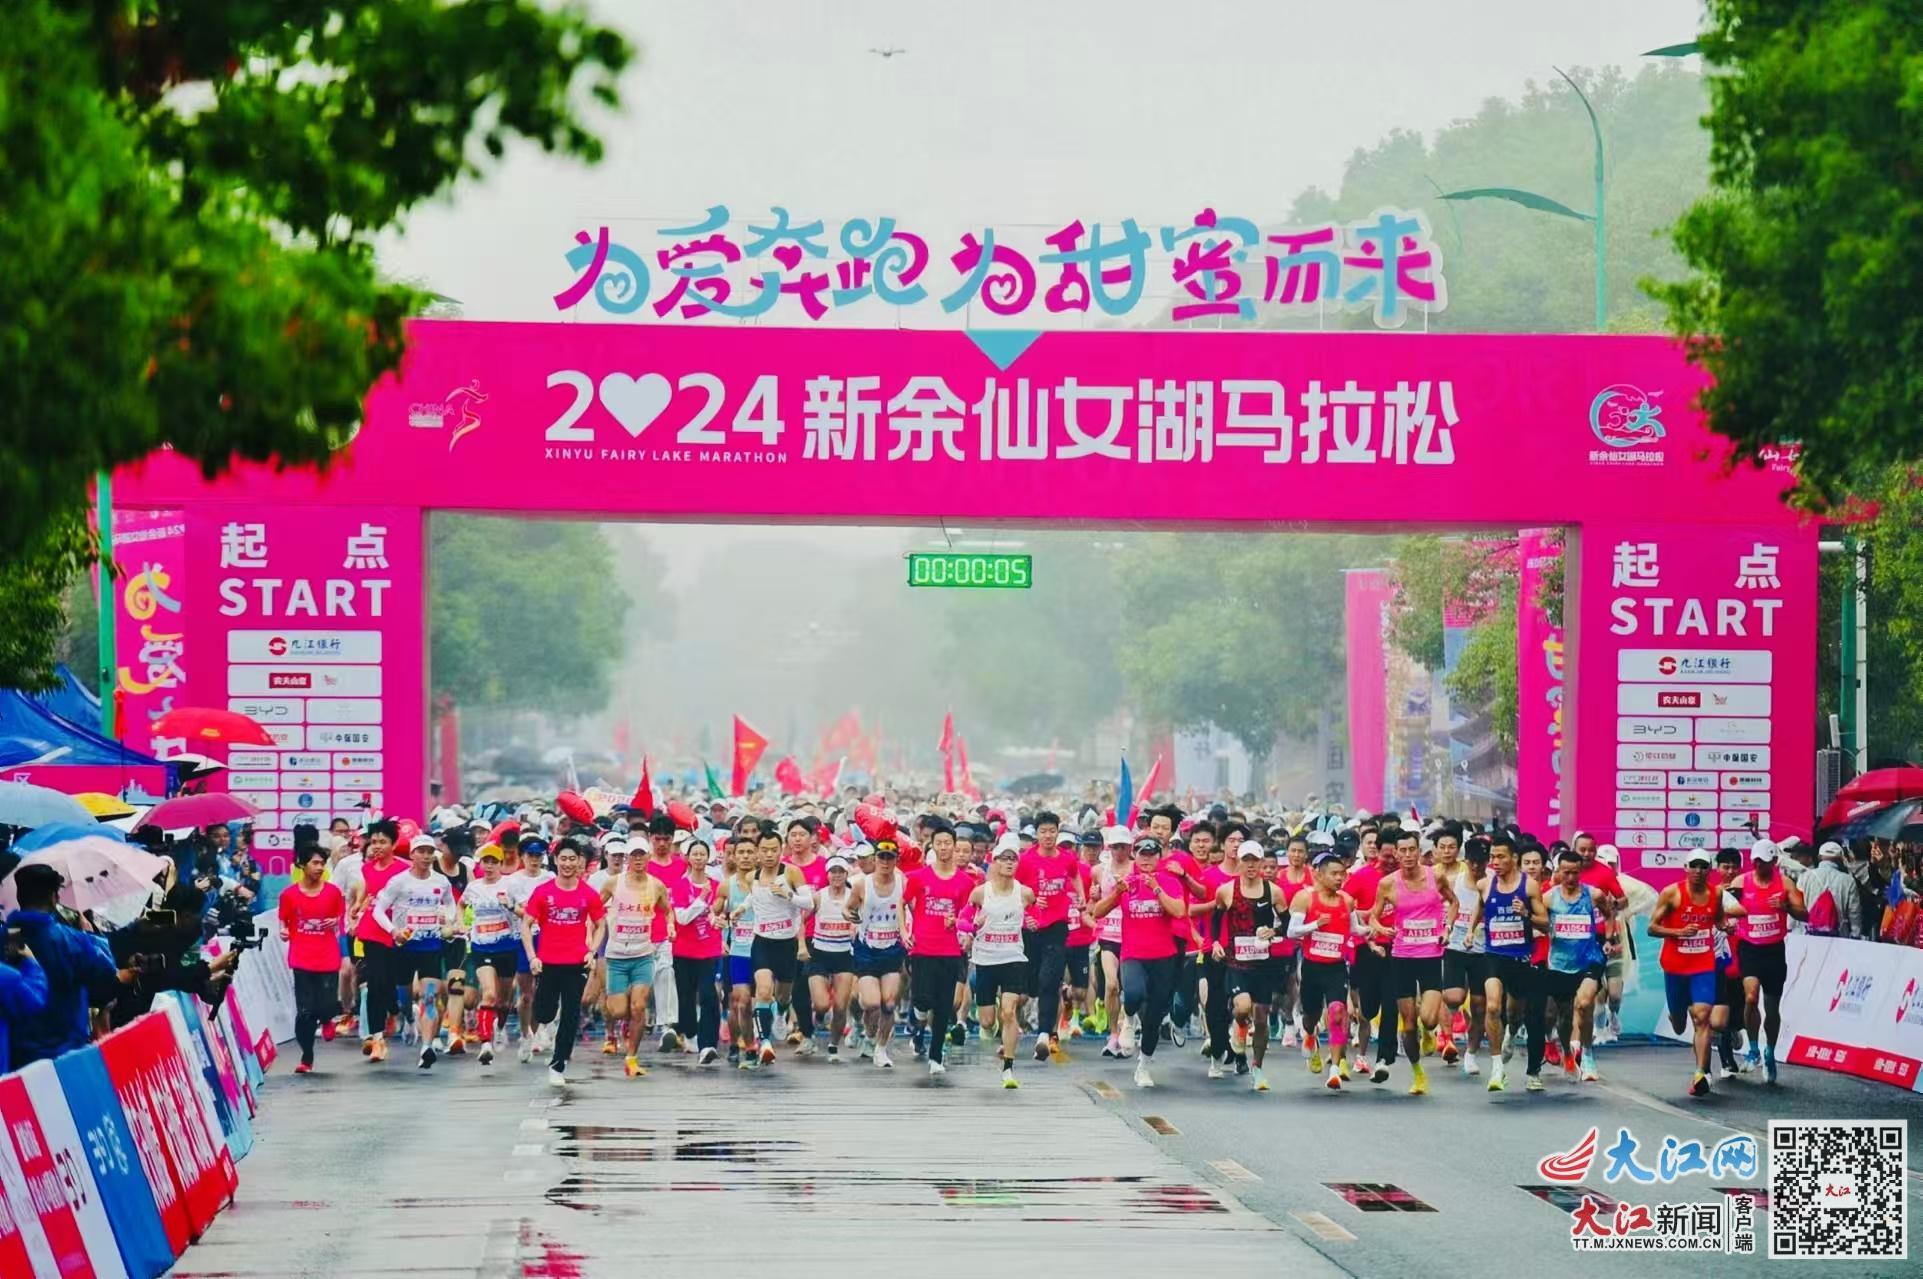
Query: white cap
[[1117, 836], [837, 862], [1763, 850], [1321, 839], [614, 846], [1008, 844], [1608, 853], [1830, 849], [422, 840], [1699, 857], [1248, 848]]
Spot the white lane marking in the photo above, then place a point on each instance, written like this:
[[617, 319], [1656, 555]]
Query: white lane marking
[[1232, 1170], [1324, 1227]]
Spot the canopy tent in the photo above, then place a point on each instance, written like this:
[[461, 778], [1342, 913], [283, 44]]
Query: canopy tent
[[39, 746], [70, 699]]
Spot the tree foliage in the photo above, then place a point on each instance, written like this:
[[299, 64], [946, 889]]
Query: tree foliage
[[1806, 302], [527, 614], [1894, 535], [1429, 573], [192, 191]]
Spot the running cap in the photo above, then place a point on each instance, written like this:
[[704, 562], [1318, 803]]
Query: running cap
[[1324, 858], [887, 848], [490, 852], [1321, 839], [1608, 853], [534, 845], [1008, 846], [1763, 850], [1248, 848], [422, 840], [1699, 857], [1090, 839], [1114, 836], [1831, 850], [614, 846], [1149, 844], [837, 862]]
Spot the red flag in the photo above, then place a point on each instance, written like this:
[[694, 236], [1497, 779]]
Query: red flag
[[948, 772], [947, 742], [1148, 788], [788, 776], [748, 749], [968, 786], [644, 793], [825, 778]]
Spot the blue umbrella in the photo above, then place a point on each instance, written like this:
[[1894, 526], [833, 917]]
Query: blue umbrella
[[59, 833], [24, 804]]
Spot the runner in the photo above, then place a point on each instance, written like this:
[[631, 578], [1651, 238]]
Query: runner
[[992, 924], [778, 898], [803, 853], [1575, 972], [1599, 872], [492, 926], [878, 951], [1249, 920], [562, 927], [313, 916], [831, 971], [1460, 950], [738, 920], [605, 866], [1291, 877], [378, 975], [1727, 1012], [417, 910], [1509, 909], [1212, 989], [1052, 875], [697, 944], [1766, 903], [632, 900], [667, 866], [1422, 916], [454, 860], [932, 900], [532, 851], [1369, 967], [1080, 1012], [1685, 917], [1152, 900], [1321, 918], [1117, 843]]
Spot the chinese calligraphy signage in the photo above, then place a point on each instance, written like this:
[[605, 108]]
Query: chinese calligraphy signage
[[1217, 267], [1165, 427], [150, 641]]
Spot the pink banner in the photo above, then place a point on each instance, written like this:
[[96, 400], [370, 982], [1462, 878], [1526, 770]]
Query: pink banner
[[1368, 593], [1539, 690], [1694, 686], [80, 779], [310, 621], [150, 642]]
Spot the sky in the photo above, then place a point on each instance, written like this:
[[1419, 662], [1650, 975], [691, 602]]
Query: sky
[[995, 112]]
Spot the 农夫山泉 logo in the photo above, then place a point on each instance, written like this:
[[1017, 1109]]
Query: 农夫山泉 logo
[[1623, 416]]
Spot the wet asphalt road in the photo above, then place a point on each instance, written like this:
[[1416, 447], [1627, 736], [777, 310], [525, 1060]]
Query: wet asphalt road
[[808, 1168]]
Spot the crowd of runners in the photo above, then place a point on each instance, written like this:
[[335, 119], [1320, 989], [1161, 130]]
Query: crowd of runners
[[1330, 948]]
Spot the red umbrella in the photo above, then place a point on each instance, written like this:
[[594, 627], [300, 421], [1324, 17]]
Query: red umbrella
[[198, 811], [574, 806], [1878, 787], [683, 815], [205, 724]]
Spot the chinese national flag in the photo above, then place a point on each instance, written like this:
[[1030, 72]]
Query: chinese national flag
[[748, 748], [644, 793], [947, 743], [968, 786], [788, 776]]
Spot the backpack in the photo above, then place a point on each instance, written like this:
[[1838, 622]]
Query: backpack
[[1823, 919]]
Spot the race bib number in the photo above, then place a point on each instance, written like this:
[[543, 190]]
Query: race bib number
[[833, 929], [1700, 944], [1507, 932], [487, 930], [631, 927], [424, 921], [1325, 946], [882, 938], [1419, 930], [1767, 927], [316, 927], [1574, 927], [1250, 949], [744, 934], [1000, 939]]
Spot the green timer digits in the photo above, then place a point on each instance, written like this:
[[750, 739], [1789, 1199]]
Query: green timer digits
[[947, 568]]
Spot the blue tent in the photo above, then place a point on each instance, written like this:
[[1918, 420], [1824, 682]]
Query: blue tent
[[32, 734], [70, 699]]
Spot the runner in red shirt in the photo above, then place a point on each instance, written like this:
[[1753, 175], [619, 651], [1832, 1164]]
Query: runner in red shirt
[[312, 915], [380, 968], [1051, 872], [1369, 971], [569, 917]]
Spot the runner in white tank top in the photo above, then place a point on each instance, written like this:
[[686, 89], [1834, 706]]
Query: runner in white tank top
[[994, 917], [831, 964], [878, 949], [1118, 849]]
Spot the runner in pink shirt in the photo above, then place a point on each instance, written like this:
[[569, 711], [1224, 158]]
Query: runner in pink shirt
[[1153, 905], [933, 899], [1051, 872]]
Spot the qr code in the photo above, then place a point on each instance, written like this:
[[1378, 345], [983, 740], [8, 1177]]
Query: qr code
[[1839, 1189]]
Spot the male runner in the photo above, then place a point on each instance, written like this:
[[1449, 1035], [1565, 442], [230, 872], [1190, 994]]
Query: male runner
[[1322, 919], [1051, 873], [1291, 877], [1600, 874], [1250, 921], [932, 904], [378, 977], [831, 970], [803, 852], [991, 925], [312, 913], [417, 909], [668, 867], [698, 943], [1685, 917], [454, 860], [879, 954], [1422, 917], [562, 927], [1154, 902], [633, 899], [1080, 1015], [778, 899], [1509, 908], [1766, 902], [1575, 971], [1369, 967], [493, 925], [1117, 843]]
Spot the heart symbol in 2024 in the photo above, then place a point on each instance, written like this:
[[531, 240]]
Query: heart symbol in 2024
[[635, 401]]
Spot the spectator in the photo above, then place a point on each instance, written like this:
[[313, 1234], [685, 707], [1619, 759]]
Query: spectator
[[23, 991], [1872, 875], [1835, 906], [77, 965]]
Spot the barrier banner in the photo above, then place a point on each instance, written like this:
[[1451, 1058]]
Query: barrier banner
[[220, 1031], [1855, 1007], [114, 1158], [264, 985], [241, 1033], [23, 1243], [53, 1166], [160, 1095], [192, 1025]]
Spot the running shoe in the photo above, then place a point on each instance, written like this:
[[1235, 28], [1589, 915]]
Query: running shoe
[[1041, 1048], [1381, 1075], [1589, 1075], [526, 1051], [456, 1046], [1177, 1035], [1552, 1053], [1728, 1072], [1261, 1080], [957, 1036], [327, 1032], [1008, 1077], [557, 1076], [1699, 1086], [304, 1068], [670, 1041], [1113, 1048], [428, 1056], [1341, 1065], [1215, 1069], [609, 1048], [882, 1059], [708, 1057], [1241, 1064], [834, 1054], [1238, 1036], [1126, 1043], [1752, 1059], [1428, 1041], [1769, 1064], [367, 1047], [486, 1055], [794, 1038], [1469, 1066], [1496, 1081], [1535, 1083], [1336, 1076], [1570, 1062], [767, 1054], [1450, 1053], [1315, 1060], [1421, 1077], [734, 1054], [380, 1050], [936, 1068], [633, 1068], [1291, 1037], [806, 1048], [1142, 1077]]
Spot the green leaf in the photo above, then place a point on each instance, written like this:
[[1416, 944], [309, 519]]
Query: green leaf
[[1527, 199]]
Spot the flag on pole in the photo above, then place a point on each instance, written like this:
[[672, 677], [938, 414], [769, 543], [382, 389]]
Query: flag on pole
[[714, 783], [967, 778], [1148, 787], [947, 743], [748, 749], [1125, 794], [644, 792], [574, 778], [788, 776]]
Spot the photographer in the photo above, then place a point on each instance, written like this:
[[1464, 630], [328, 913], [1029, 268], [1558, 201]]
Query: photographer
[[162, 951], [77, 965], [23, 989]]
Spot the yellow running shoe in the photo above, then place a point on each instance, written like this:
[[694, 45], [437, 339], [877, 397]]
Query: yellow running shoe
[[1315, 1061], [634, 1068], [1428, 1041], [1342, 1066], [608, 1049], [1421, 1084]]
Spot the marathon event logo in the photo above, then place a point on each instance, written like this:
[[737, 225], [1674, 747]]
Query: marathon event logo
[[1570, 1165], [453, 413], [1851, 993], [1628, 422], [1909, 1009]]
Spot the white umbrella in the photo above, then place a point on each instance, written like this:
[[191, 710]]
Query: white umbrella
[[98, 872]]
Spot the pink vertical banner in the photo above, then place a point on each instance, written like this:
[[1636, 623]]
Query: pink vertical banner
[[1539, 689], [310, 620], [151, 656], [1693, 688], [1367, 599]]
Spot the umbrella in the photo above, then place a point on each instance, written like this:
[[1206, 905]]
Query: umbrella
[[1035, 784], [198, 811], [62, 832], [206, 724], [192, 766], [104, 806], [24, 804], [1872, 821], [97, 870]]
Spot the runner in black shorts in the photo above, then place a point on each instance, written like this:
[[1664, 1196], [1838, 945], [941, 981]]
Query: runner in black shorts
[[1247, 920]]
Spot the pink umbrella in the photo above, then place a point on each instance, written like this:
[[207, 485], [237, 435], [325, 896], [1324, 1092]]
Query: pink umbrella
[[98, 871], [209, 724], [199, 810]]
